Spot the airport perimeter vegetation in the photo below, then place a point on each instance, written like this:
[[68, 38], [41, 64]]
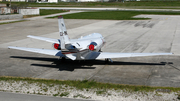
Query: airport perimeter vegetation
[[114, 15], [108, 15], [150, 4], [12, 22], [48, 12], [91, 84]]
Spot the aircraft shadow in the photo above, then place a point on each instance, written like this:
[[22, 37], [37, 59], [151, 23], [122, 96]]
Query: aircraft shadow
[[63, 67], [69, 65], [35, 58]]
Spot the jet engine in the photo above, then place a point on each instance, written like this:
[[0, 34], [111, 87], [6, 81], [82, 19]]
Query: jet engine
[[56, 46], [92, 46]]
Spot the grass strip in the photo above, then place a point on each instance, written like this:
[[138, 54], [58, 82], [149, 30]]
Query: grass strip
[[12, 22], [50, 11], [113, 15], [134, 4], [86, 84]]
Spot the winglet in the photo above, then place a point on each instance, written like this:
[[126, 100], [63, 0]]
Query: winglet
[[9, 47]]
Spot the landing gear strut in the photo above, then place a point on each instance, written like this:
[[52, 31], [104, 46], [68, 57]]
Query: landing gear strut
[[107, 60], [62, 59]]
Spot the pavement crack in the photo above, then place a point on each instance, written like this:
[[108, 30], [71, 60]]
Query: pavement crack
[[173, 66], [173, 38], [149, 76], [97, 72], [151, 73], [41, 73]]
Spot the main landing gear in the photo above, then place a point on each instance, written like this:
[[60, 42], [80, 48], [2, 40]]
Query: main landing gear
[[107, 60], [62, 59]]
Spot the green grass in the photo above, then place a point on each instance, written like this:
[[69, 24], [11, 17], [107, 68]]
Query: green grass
[[113, 15], [141, 4], [85, 84], [51, 11], [12, 22], [64, 94]]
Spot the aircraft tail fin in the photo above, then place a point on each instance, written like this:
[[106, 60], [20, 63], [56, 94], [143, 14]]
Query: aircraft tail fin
[[63, 33]]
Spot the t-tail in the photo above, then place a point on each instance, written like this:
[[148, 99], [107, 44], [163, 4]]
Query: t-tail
[[63, 33]]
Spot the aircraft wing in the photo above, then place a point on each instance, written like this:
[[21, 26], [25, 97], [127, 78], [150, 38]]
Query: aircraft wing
[[44, 39], [104, 55], [42, 51], [89, 55]]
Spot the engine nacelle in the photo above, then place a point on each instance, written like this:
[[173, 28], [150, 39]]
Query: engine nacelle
[[57, 46], [92, 46]]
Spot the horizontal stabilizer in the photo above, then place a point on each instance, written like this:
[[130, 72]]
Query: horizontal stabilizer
[[42, 51], [44, 39], [71, 56]]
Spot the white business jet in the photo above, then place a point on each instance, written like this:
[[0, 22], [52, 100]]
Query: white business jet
[[84, 48]]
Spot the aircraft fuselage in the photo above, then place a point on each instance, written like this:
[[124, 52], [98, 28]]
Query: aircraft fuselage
[[96, 40]]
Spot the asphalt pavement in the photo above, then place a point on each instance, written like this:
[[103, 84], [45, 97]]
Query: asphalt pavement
[[8, 96], [158, 35]]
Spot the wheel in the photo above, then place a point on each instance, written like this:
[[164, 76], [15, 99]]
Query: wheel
[[106, 61], [63, 59]]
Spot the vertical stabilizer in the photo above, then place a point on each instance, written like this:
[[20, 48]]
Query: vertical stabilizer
[[63, 32]]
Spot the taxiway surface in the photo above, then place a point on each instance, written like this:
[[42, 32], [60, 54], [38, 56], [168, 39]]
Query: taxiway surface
[[7, 96], [160, 34]]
